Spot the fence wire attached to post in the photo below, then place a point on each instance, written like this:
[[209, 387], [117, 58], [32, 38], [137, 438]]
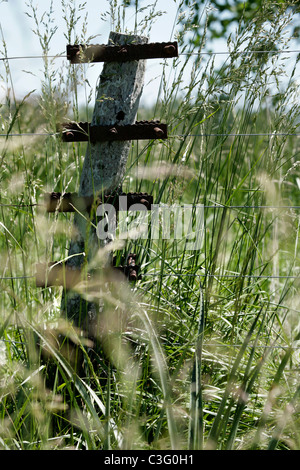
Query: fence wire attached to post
[[118, 95]]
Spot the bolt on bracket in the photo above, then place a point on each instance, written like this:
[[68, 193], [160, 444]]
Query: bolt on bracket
[[131, 269], [81, 53]]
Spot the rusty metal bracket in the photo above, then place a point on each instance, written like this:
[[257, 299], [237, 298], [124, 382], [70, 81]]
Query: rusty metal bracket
[[60, 275], [56, 274], [71, 202], [67, 202], [81, 53], [85, 132]]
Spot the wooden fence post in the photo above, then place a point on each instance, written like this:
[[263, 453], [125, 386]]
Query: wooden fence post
[[118, 94]]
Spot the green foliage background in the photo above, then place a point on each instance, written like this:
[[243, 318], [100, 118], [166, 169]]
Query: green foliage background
[[203, 352]]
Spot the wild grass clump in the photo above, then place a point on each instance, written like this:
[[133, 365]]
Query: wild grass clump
[[203, 351]]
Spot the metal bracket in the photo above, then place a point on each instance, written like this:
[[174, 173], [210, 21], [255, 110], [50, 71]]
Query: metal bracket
[[71, 202], [59, 274], [85, 132], [81, 53], [56, 274]]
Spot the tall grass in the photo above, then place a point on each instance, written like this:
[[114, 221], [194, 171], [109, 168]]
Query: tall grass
[[202, 353]]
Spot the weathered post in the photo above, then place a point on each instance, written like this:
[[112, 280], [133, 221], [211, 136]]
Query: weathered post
[[118, 94]]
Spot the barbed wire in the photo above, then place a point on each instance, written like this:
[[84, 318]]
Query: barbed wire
[[25, 57], [248, 207], [221, 345], [30, 134], [20, 205], [217, 206], [237, 134], [210, 53], [251, 346], [280, 51], [10, 278], [228, 276], [262, 134]]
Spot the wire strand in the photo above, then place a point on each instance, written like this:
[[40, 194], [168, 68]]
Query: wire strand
[[20, 205], [221, 345], [57, 56], [216, 206], [250, 134], [64, 56], [282, 51], [249, 207], [10, 278], [229, 276], [30, 134]]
